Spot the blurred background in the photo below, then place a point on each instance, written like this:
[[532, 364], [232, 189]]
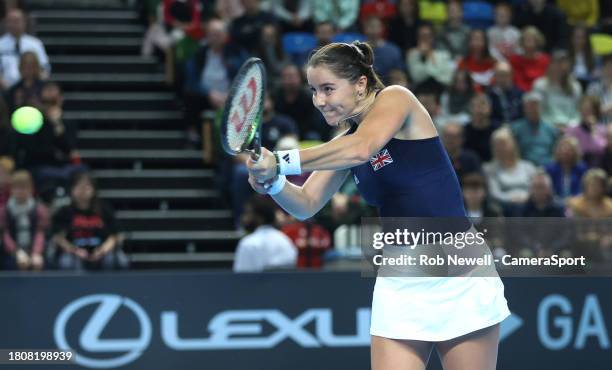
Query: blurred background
[[124, 198]]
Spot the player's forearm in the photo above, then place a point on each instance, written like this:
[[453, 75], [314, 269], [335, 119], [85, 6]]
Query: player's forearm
[[293, 200], [343, 153]]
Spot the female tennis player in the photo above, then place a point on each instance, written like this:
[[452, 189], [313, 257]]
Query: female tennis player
[[399, 164]]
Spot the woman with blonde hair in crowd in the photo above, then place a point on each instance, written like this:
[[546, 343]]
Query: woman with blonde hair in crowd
[[532, 62], [593, 201], [508, 175], [567, 169]]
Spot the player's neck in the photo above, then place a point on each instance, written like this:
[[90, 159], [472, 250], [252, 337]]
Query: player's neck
[[362, 108]]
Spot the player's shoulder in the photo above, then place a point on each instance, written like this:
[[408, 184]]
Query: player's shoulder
[[395, 97], [395, 92]]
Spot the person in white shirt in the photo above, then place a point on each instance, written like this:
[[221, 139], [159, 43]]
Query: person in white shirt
[[13, 44], [265, 247]]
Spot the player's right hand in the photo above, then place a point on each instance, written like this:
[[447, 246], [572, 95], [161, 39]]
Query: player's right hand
[[261, 188]]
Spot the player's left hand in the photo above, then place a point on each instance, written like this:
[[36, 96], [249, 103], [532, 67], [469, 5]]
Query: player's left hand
[[265, 168]]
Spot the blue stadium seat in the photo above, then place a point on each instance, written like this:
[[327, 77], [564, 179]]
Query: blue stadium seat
[[478, 14], [297, 43], [348, 37]]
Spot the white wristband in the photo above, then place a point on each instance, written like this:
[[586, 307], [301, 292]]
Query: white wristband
[[289, 162], [277, 186]]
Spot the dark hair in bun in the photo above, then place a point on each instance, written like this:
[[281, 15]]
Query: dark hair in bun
[[348, 61]]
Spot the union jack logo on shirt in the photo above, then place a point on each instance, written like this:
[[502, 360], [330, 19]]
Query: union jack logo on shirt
[[381, 159]]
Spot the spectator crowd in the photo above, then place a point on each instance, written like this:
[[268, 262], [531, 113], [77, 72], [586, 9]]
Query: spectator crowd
[[520, 92]]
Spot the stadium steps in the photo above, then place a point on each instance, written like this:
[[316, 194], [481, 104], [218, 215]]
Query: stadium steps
[[92, 45], [88, 64], [148, 179], [135, 120], [131, 139], [85, 17], [87, 30], [130, 123], [119, 101]]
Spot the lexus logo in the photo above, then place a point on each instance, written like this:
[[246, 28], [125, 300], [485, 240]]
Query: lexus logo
[[90, 338]]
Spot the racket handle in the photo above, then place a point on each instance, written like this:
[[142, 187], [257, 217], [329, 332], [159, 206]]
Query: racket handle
[[256, 154]]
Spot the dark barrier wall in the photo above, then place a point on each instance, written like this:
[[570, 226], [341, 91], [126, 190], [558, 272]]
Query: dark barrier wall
[[309, 321]]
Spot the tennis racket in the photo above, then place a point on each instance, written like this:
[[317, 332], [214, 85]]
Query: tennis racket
[[241, 121]]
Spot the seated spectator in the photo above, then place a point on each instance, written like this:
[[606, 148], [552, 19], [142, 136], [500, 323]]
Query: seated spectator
[[567, 169], [505, 98], [455, 101], [23, 222], [293, 99], [590, 134], [27, 91], [478, 204], [454, 35], [583, 61], [464, 160], [593, 201], [478, 132], [560, 92], [85, 231], [503, 37], [602, 89], [547, 18], [325, 32], [542, 238], [311, 239], [271, 51], [485, 214], [6, 168], [342, 13], [477, 61], [52, 99], [541, 202], [427, 94], [606, 160], [246, 29], [536, 138], [427, 62], [158, 39], [274, 126], [209, 74], [229, 10], [294, 16], [532, 63], [507, 174], [387, 56], [399, 77], [403, 28], [13, 44], [49, 153], [265, 247]]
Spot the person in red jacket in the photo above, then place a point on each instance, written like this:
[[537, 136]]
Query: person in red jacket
[[533, 63], [478, 61]]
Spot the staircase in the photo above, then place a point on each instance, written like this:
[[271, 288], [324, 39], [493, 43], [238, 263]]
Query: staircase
[[130, 134]]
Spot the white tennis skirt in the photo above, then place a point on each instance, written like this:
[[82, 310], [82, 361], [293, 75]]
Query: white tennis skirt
[[436, 309]]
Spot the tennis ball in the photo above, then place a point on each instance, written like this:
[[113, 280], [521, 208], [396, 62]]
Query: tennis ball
[[27, 120]]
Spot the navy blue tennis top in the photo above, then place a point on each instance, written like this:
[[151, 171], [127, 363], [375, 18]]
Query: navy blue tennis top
[[410, 178]]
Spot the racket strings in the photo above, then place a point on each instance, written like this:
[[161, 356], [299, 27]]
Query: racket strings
[[244, 110]]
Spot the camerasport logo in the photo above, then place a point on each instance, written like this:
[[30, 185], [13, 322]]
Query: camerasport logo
[[91, 350]]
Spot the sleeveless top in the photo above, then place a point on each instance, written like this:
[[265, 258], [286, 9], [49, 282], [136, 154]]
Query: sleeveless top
[[410, 178]]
